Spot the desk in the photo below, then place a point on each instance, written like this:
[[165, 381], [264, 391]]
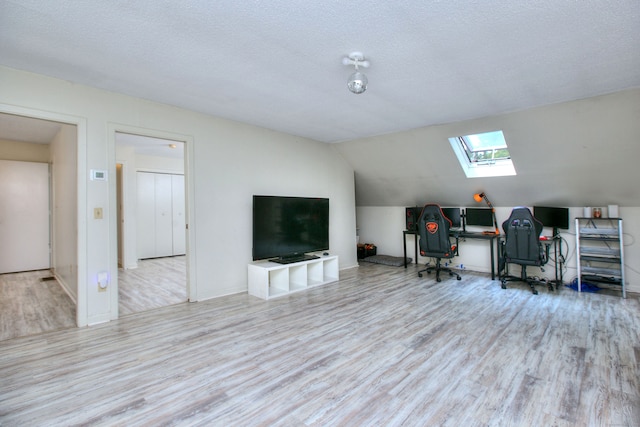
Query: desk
[[461, 235], [556, 241]]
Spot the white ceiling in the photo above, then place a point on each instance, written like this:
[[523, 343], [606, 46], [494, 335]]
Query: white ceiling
[[151, 146], [26, 129], [278, 64], [38, 131]]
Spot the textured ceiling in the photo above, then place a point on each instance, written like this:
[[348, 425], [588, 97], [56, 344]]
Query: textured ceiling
[[278, 64]]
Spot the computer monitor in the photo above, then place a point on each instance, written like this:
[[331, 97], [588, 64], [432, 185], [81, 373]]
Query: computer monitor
[[552, 217], [454, 215], [479, 216]]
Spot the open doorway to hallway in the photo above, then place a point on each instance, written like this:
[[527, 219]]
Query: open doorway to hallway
[[151, 217], [38, 225]]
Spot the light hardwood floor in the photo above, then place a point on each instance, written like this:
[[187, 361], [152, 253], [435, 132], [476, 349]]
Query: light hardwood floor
[[156, 282], [381, 347], [29, 305]]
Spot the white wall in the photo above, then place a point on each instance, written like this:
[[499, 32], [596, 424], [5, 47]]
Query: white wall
[[383, 226], [64, 187], [24, 151], [228, 162]]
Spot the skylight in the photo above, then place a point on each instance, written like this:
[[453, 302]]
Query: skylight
[[483, 154]]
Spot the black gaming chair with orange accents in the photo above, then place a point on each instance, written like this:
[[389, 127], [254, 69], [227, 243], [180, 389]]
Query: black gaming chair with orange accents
[[435, 242]]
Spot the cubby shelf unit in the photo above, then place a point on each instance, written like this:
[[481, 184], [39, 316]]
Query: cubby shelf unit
[[270, 280]]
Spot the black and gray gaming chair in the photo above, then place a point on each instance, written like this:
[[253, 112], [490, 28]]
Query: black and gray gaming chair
[[521, 246], [433, 229]]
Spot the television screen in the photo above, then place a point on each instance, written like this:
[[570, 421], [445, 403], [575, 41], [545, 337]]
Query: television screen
[[552, 217], [454, 215], [288, 227], [479, 216]]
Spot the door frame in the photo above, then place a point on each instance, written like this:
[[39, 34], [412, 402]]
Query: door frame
[[114, 128], [82, 302]]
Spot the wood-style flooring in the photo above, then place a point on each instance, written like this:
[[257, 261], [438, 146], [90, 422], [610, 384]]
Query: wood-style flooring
[[381, 347], [157, 282], [30, 305]]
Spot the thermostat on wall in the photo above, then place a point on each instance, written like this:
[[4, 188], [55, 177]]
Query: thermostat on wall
[[98, 175]]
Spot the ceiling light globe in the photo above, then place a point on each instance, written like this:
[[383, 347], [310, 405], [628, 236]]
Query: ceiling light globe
[[357, 82]]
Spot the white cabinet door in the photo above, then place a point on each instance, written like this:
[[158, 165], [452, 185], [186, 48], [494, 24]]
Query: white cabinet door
[[24, 216], [164, 209], [146, 215], [179, 221], [161, 215]]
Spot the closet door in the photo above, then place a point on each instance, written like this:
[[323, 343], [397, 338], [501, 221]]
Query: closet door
[[24, 216], [179, 221], [164, 213], [146, 215], [161, 215]]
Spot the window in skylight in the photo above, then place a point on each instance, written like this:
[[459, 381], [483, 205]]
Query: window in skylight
[[483, 154]]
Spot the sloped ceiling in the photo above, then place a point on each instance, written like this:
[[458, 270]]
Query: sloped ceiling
[[579, 153], [438, 69]]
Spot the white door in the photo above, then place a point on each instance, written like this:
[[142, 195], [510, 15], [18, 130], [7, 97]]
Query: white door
[[24, 216], [161, 223], [146, 215], [179, 222], [164, 212]]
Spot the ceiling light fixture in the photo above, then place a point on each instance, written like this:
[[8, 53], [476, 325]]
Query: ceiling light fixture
[[357, 82]]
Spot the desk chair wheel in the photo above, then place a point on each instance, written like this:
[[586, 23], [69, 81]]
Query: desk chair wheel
[[504, 285], [535, 291], [438, 279], [419, 274]]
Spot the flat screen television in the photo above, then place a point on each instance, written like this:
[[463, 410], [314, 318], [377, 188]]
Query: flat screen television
[[479, 216], [454, 215], [286, 228], [552, 217]]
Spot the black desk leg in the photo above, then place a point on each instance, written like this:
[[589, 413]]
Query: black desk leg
[[404, 245], [493, 259]]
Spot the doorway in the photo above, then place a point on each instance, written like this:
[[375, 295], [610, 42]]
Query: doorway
[[151, 207], [39, 205], [24, 217]]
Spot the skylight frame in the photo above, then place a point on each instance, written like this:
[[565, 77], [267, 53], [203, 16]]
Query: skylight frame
[[483, 154]]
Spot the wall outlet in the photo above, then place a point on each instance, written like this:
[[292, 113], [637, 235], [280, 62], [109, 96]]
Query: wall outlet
[[97, 213]]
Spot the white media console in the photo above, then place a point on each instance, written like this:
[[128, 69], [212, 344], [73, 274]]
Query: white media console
[[269, 279]]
